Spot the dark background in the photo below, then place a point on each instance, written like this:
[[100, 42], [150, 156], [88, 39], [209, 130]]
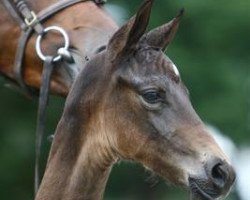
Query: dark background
[[211, 50]]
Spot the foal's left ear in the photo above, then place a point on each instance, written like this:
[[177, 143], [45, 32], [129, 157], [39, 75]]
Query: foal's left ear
[[162, 36], [126, 38]]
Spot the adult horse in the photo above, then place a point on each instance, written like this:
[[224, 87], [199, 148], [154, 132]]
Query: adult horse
[[129, 103], [89, 28]]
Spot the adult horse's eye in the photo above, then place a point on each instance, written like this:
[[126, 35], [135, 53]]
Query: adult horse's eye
[[152, 97]]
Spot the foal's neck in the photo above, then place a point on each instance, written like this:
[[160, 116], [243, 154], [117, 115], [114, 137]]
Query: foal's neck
[[78, 167]]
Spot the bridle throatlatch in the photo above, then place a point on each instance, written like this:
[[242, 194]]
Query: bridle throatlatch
[[31, 22]]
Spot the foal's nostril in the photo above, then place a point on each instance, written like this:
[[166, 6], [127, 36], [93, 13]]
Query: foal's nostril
[[221, 174]]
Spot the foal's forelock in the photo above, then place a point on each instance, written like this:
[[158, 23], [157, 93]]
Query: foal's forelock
[[151, 62]]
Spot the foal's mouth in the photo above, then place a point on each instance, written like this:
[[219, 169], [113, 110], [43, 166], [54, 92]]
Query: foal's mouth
[[197, 192]]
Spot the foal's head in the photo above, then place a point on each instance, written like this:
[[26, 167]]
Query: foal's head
[[136, 93]]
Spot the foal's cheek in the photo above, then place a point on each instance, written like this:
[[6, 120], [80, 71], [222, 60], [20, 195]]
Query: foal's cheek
[[134, 144]]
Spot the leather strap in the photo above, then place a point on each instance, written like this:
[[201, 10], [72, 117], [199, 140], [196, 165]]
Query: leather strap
[[21, 46], [40, 127], [29, 17], [11, 8]]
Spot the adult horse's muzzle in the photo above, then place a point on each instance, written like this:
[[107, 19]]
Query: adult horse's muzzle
[[217, 181]]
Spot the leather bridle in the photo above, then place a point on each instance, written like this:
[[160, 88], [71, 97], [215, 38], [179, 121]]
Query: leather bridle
[[31, 22]]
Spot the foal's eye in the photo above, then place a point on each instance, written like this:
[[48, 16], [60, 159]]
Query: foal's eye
[[152, 97]]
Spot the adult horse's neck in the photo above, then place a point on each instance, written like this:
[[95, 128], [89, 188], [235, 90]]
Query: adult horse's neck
[[79, 164]]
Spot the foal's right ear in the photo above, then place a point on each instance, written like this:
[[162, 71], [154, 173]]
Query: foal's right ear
[[127, 37], [161, 37]]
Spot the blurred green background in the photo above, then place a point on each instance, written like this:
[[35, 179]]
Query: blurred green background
[[211, 50]]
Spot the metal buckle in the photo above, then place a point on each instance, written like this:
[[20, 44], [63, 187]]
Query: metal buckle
[[32, 21]]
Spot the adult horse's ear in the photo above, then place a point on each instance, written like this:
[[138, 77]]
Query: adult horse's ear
[[161, 37], [127, 37]]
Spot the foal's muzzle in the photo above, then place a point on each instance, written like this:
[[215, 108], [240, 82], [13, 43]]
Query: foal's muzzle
[[219, 179]]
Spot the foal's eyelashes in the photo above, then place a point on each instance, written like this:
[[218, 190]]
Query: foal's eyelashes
[[100, 49]]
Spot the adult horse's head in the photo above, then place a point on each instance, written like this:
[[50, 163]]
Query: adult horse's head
[[89, 28], [133, 92]]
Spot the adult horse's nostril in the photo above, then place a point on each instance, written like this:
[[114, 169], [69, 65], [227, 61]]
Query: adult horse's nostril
[[221, 174]]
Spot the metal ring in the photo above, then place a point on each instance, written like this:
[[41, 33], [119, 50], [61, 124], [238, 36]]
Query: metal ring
[[39, 38]]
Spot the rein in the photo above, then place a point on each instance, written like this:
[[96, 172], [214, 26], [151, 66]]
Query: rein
[[31, 22]]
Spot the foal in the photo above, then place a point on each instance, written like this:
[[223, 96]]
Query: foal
[[130, 103]]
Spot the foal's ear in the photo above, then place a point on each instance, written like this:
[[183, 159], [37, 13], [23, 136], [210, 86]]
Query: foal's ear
[[161, 37], [126, 38]]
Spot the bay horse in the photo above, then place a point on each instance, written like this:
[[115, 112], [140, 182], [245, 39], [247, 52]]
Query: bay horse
[[89, 28], [129, 103]]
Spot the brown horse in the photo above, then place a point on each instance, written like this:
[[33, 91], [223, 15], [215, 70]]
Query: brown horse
[[129, 103], [89, 28]]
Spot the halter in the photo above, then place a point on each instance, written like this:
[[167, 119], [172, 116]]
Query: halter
[[31, 22]]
